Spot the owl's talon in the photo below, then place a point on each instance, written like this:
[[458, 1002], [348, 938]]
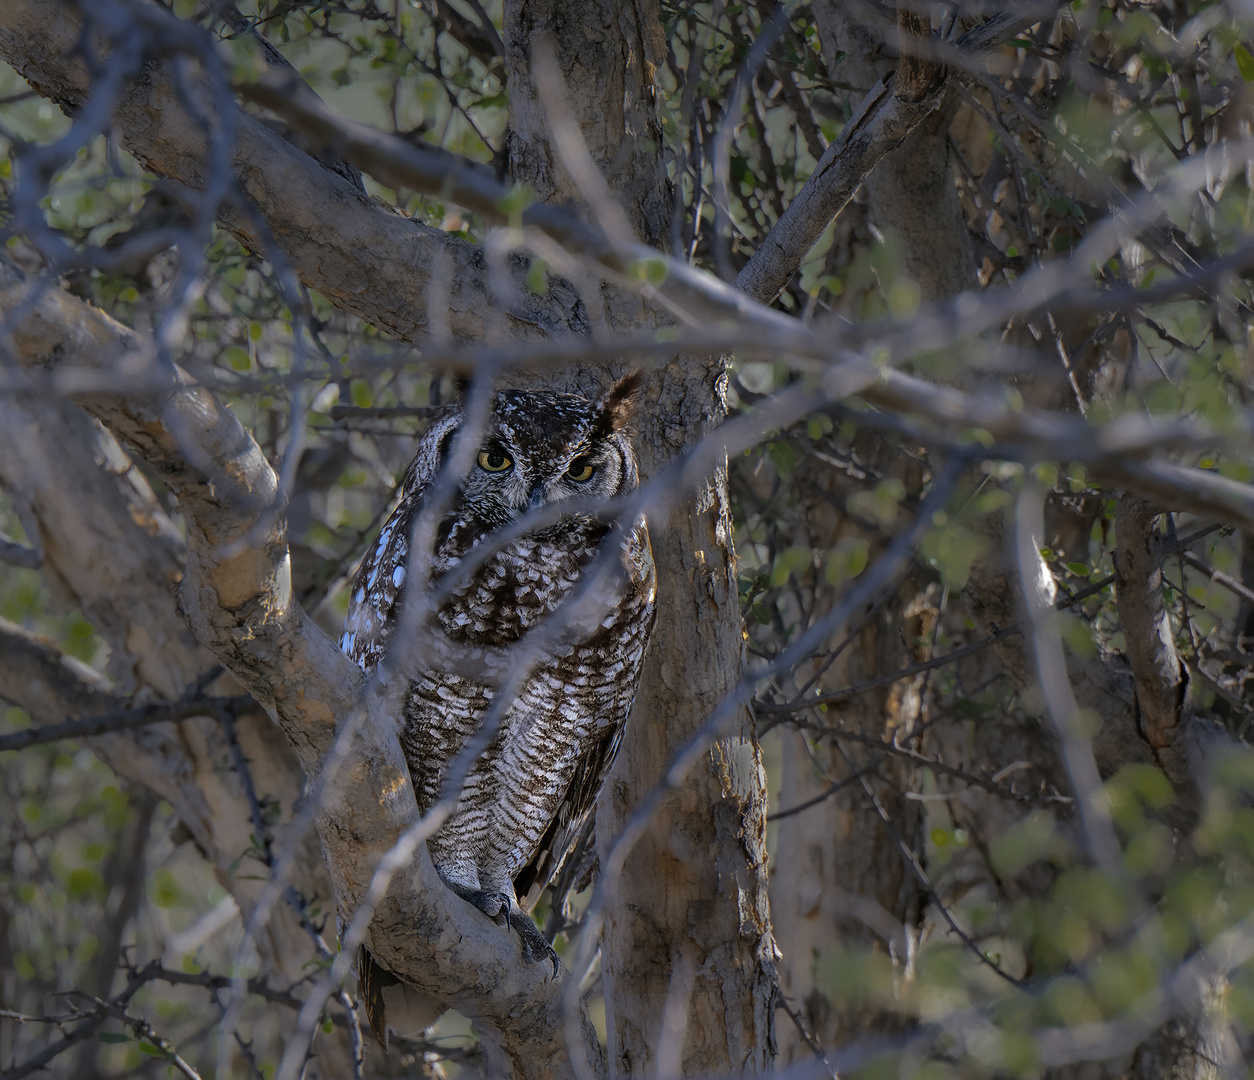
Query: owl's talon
[[503, 910], [534, 945]]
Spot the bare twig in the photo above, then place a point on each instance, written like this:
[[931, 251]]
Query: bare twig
[[121, 720], [15, 554]]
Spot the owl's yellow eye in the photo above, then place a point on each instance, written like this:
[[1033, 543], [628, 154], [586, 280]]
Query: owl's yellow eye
[[494, 461], [581, 470]]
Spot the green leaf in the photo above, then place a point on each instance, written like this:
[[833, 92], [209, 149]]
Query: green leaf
[[152, 1051], [114, 1037], [818, 425], [538, 277], [654, 271], [516, 200], [1245, 62], [83, 883], [783, 457], [789, 562]]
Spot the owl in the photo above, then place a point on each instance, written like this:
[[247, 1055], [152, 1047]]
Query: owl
[[556, 616]]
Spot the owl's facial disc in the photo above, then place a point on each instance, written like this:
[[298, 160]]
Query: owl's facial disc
[[542, 449], [508, 483]]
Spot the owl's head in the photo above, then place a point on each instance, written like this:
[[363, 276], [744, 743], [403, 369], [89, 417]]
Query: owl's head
[[543, 448]]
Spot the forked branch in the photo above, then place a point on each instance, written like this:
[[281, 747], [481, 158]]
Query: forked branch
[[237, 594]]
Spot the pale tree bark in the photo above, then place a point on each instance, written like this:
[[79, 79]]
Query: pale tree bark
[[111, 551], [238, 600], [839, 863]]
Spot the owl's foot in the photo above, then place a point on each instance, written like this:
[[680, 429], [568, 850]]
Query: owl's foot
[[534, 946], [495, 905], [503, 909]]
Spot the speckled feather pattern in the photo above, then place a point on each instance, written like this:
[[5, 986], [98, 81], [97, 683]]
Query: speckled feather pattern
[[539, 776]]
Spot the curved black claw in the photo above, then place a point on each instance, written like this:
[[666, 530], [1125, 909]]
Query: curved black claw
[[534, 946], [503, 910]]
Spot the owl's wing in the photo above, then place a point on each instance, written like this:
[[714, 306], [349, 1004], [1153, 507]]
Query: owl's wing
[[566, 830], [376, 588], [372, 610], [372, 605], [563, 833]]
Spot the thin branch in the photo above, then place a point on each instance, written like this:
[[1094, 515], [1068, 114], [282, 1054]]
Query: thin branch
[[15, 554], [91, 1021], [1051, 668], [988, 784], [361, 412], [879, 125], [837, 696], [824, 795], [916, 869], [1219, 577], [122, 720]]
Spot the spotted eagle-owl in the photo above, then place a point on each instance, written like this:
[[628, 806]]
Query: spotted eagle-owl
[[561, 613]]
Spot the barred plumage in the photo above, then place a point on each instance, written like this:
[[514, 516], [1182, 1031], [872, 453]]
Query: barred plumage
[[574, 676]]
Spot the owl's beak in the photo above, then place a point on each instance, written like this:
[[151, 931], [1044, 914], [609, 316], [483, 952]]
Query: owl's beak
[[536, 500]]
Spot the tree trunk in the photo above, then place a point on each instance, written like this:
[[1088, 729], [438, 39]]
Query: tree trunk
[[840, 861], [687, 952]]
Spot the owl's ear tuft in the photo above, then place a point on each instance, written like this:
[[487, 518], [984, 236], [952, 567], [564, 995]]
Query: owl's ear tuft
[[618, 404]]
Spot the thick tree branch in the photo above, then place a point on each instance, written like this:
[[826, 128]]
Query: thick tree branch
[[41, 47], [15, 554], [111, 551], [888, 113], [237, 595], [332, 233], [37, 676], [397, 162], [117, 719]]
